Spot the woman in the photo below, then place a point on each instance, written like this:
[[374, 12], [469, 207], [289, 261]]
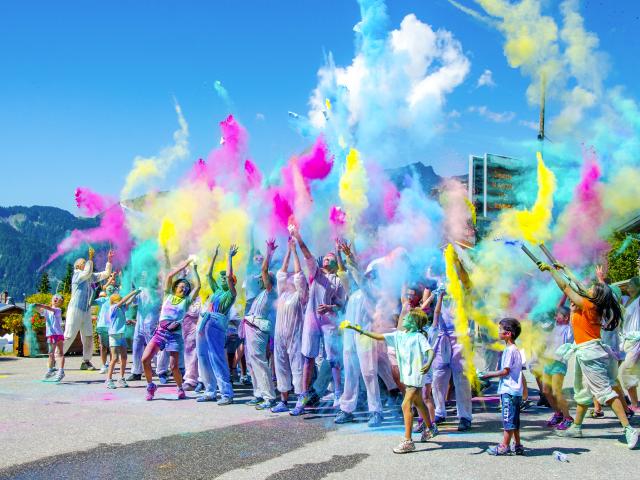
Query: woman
[[595, 367], [212, 333], [168, 336]]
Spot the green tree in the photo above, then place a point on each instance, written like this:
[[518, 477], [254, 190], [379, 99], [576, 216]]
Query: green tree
[[66, 283], [625, 250], [44, 286]]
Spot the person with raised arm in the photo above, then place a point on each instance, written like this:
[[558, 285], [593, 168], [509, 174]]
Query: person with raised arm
[[212, 332], [259, 326], [78, 318], [168, 335], [292, 297], [593, 308], [326, 299]]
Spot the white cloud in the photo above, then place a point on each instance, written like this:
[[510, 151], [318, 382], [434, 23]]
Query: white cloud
[[394, 91], [486, 79], [529, 124], [497, 117]]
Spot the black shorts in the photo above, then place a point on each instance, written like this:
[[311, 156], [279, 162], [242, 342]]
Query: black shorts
[[510, 411]]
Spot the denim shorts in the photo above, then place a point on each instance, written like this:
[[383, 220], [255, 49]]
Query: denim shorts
[[510, 411]]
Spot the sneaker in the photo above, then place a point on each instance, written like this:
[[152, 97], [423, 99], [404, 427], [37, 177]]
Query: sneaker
[[631, 434], [280, 407], [110, 384], [151, 391], [405, 446], [344, 417], [375, 420], [555, 420], [207, 397], [464, 425], [122, 383], [439, 420], [59, 376], [245, 380], [103, 369], [420, 427], [593, 413], [50, 374], [574, 431], [163, 378], [88, 366], [199, 387], [427, 435], [565, 424], [266, 405], [499, 450], [224, 400], [254, 401], [134, 377], [181, 394], [517, 449]]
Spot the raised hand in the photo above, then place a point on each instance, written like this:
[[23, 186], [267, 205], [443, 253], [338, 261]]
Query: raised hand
[[271, 245]]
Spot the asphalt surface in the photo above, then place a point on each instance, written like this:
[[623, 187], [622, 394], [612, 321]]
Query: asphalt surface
[[79, 429]]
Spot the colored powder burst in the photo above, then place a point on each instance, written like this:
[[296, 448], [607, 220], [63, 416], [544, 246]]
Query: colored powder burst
[[461, 320], [353, 189], [112, 228], [532, 225], [581, 222]]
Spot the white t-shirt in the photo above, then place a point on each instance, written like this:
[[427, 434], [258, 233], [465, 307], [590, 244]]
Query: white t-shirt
[[512, 383], [410, 348]]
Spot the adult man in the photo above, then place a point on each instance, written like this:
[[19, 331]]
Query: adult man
[[78, 312]]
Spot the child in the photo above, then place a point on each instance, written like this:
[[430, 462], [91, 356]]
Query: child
[[102, 324], [510, 388], [55, 335], [117, 340], [414, 356], [555, 369]]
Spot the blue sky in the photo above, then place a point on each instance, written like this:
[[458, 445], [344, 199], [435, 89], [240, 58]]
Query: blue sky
[[87, 86]]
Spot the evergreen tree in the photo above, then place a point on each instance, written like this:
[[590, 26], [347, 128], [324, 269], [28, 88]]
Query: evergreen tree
[[66, 283], [44, 285]]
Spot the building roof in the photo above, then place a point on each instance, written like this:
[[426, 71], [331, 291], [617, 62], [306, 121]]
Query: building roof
[[631, 225]]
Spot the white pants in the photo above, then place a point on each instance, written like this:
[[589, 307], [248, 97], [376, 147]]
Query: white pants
[[449, 361], [288, 360], [255, 349], [362, 355], [629, 371], [79, 321]]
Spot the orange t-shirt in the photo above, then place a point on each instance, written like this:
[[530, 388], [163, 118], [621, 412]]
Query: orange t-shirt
[[586, 323]]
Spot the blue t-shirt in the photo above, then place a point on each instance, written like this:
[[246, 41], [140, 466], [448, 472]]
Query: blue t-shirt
[[117, 319]]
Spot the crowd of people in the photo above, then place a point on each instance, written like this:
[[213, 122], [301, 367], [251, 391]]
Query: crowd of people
[[311, 325]]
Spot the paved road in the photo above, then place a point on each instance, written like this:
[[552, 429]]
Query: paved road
[[79, 429]]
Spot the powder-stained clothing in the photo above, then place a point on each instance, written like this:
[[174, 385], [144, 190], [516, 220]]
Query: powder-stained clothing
[[78, 317], [324, 288], [53, 321], [362, 356], [289, 361], [629, 371], [411, 349]]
